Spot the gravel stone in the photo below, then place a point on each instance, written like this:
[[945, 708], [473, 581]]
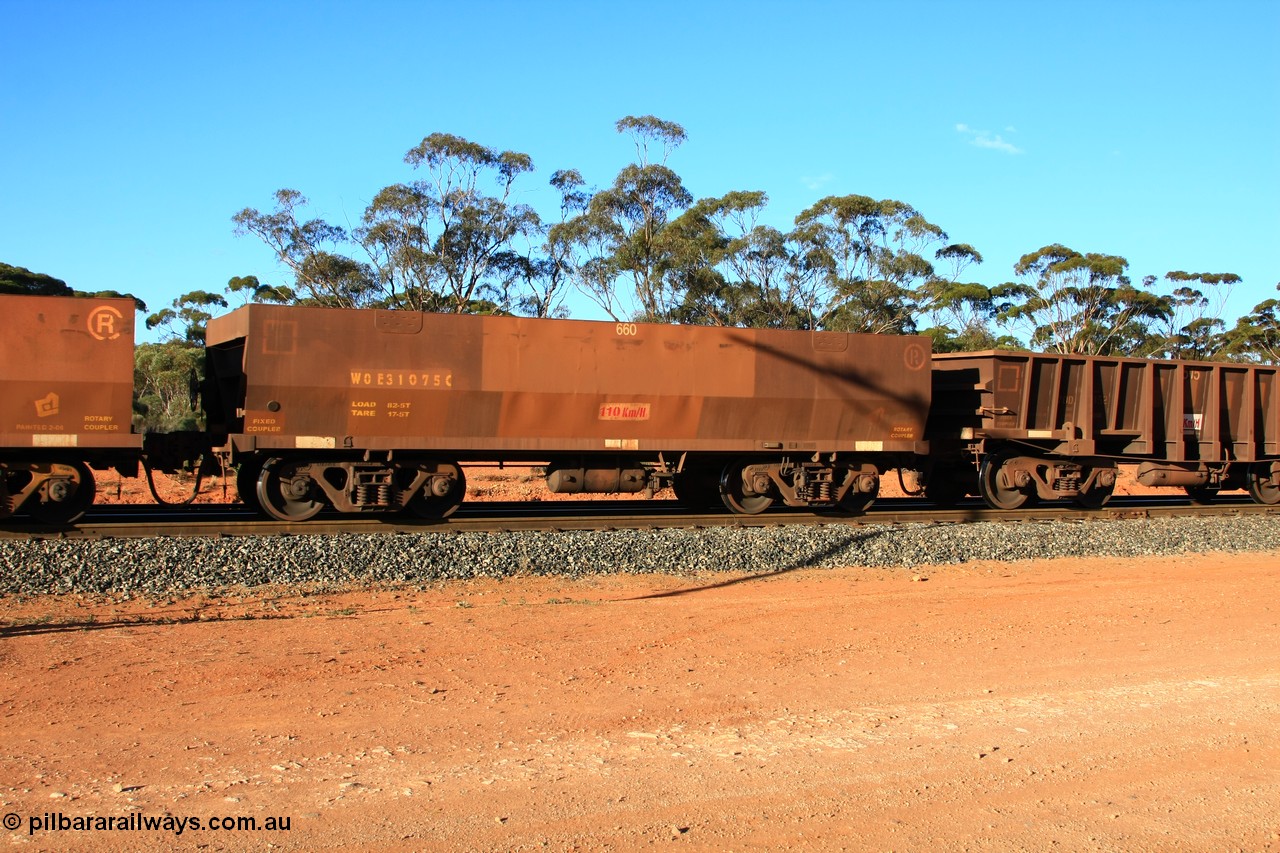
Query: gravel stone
[[167, 565]]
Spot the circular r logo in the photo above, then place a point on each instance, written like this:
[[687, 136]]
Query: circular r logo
[[104, 321]]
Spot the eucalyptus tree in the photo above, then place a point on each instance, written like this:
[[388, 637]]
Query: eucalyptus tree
[[961, 313], [166, 380], [313, 251], [1070, 302], [1194, 328], [249, 289], [867, 267], [166, 375], [445, 242], [1256, 335], [735, 270], [619, 236], [23, 282], [452, 240], [544, 273], [188, 316], [20, 280]]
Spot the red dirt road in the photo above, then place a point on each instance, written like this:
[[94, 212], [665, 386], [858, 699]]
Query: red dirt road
[[1096, 705]]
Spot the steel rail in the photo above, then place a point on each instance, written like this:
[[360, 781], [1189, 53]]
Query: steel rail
[[218, 520]]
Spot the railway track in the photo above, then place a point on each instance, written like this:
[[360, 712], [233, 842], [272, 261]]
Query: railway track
[[220, 520]]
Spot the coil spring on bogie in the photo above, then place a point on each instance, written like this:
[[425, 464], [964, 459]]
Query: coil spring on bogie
[[815, 490], [373, 494]]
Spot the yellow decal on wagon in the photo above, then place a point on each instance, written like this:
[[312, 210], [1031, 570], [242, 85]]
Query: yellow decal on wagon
[[48, 406], [427, 379], [104, 322]]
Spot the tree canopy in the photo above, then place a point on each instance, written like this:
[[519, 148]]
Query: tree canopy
[[21, 281], [460, 235], [460, 238]]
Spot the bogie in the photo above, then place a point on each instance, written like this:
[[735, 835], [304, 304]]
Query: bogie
[[49, 492]]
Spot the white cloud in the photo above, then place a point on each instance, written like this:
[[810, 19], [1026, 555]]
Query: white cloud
[[987, 139], [817, 183]]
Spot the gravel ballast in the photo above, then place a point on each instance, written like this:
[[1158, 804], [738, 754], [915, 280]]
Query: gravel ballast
[[167, 565]]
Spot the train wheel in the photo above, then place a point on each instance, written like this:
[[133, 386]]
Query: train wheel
[[996, 494], [247, 484], [68, 495], [1096, 497], [428, 504], [1260, 486], [285, 494], [1201, 494], [697, 488], [856, 503], [733, 493]]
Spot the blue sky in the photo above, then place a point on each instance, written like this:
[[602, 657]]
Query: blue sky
[[131, 132]]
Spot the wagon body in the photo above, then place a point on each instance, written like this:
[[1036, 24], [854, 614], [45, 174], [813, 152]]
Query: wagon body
[[66, 401], [476, 386], [1175, 411], [1185, 423], [66, 370], [377, 410]]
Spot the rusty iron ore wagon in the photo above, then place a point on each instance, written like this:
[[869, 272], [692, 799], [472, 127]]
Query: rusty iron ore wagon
[[66, 374], [370, 411], [375, 411], [1056, 426]]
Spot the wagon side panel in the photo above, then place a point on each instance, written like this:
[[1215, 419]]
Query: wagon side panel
[[66, 367], [383, 380]]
